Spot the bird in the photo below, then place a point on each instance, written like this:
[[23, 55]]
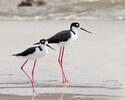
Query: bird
[[34, 53], [64, 38]]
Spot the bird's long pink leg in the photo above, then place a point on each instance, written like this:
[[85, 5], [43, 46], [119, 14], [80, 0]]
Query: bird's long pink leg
[[59, 60], [66, 81], [33, 75], [24, 70]]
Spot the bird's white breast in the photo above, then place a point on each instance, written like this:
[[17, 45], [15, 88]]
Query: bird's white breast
[[38, 53]]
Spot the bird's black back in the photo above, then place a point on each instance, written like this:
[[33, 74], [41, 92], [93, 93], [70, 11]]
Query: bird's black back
[[26, 52], [60, 37]]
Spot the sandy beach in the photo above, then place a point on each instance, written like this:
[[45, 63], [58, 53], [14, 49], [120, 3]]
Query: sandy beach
[[94, 64]]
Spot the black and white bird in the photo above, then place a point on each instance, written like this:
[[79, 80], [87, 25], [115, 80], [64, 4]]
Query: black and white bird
[[34, 53], [62, 39]]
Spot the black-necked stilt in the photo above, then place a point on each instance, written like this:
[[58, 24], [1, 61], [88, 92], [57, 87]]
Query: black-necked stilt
[[33, 53], [62, 39]]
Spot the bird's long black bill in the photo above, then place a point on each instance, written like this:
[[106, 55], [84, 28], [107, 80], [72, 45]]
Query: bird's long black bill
[[86, 30], [36, 43], [50, 47]]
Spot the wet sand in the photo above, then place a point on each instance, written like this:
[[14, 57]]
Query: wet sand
[[94, 64], [54, 97]]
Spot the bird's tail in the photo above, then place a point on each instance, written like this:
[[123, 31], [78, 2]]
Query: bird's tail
[[16, 54]]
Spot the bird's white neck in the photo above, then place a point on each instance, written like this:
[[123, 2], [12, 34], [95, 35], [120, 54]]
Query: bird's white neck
[[74, 30], [42, 46]]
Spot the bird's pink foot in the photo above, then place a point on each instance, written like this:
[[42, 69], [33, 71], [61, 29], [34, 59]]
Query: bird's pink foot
[[64, 83], [67, 81], [34, 91]]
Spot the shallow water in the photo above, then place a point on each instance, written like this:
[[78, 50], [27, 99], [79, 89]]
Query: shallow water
[[94, 64], [64, 9]]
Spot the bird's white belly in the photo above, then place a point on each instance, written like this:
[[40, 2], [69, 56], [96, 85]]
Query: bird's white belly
[[37, 54]]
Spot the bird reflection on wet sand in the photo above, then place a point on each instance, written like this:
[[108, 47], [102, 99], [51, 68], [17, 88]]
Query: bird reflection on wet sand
[[60, 97]]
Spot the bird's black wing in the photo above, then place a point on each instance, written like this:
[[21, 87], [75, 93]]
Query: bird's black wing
[[60, 37], [26, 52]]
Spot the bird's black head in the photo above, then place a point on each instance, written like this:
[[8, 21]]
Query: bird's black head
[[76, 25], [43, 41]]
